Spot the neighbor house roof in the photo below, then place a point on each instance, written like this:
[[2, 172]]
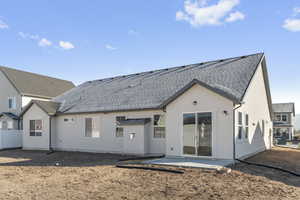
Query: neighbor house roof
[[49, 107], [10, 115], [155, 89], [283, 107], [36, 85]]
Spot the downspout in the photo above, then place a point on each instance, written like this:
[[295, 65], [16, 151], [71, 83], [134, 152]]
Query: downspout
[[239, 105], [50, 137]]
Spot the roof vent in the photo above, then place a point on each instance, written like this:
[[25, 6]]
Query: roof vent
[[221, 60], [243, 56]]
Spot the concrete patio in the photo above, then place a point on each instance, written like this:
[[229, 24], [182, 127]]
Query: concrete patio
[[191, 162]]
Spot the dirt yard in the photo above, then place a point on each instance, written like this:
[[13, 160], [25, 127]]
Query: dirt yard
[[63, 175]]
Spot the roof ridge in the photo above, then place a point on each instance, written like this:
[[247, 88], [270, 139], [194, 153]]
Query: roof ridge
[[33, 73], [170, 68]]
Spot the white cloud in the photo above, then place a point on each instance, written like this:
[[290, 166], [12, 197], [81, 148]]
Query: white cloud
[[44, 42], [66, 45], [133, 32], [292, 25], [235, 16], [3, 25], [28, 36], [198, 13], [109, 47], [296, 11]]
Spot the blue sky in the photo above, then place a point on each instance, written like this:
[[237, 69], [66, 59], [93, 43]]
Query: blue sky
[[85, 40]]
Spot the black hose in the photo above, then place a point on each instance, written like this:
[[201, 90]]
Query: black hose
[[268, 166], [141, 158], [150, 168]]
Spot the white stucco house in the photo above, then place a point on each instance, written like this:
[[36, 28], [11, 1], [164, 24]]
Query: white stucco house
[[18, 88], [220, 109]]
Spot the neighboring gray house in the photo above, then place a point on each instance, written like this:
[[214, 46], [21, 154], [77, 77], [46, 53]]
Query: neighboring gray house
[[284, 120], [18, 88], [209, 110]]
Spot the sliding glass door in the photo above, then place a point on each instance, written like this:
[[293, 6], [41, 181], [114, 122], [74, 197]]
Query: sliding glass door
[[197, 134]]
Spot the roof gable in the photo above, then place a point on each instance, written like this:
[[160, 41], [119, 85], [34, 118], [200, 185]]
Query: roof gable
[[154, 89], [36, 85], [49, 107]]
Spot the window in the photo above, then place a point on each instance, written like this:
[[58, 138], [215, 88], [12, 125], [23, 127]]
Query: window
[[90, 128], [240, 120], [159, 126], [119, 130], [10, 125], [240, 132], [246, 126], [36, 127], [240, 125], [278, 118], [281, 118], [284, 118], [12, 103]]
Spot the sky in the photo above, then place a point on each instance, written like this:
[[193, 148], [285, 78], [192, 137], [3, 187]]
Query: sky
[[87, 40]]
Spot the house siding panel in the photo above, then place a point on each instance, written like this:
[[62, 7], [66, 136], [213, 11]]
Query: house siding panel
[[207, 101], [256, 106], [70, 135]]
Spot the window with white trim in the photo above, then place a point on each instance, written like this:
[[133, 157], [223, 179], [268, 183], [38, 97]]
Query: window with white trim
[[119, 129], [159, 126], [240, 125], [91, 128], [246, 126], [36, 127]]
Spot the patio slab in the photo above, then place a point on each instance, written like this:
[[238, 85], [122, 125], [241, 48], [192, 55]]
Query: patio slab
[[190, 162]]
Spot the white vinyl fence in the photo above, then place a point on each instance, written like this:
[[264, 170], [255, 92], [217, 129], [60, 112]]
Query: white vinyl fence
[[10, 139]]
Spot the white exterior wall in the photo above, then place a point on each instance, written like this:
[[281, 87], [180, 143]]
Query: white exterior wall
[[27, 99], [36, 142], [136, 145], [8, 90], [208, 101], [70, 135], [256, 106]]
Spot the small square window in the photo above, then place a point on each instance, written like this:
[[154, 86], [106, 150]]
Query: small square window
[[36, 127]]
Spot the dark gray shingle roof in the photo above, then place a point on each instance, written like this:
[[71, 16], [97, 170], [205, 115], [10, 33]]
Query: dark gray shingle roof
[[283, 107], [36, 85], [151, 90]]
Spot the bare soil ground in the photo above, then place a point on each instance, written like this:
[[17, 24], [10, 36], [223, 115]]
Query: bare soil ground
[[64, 175]]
